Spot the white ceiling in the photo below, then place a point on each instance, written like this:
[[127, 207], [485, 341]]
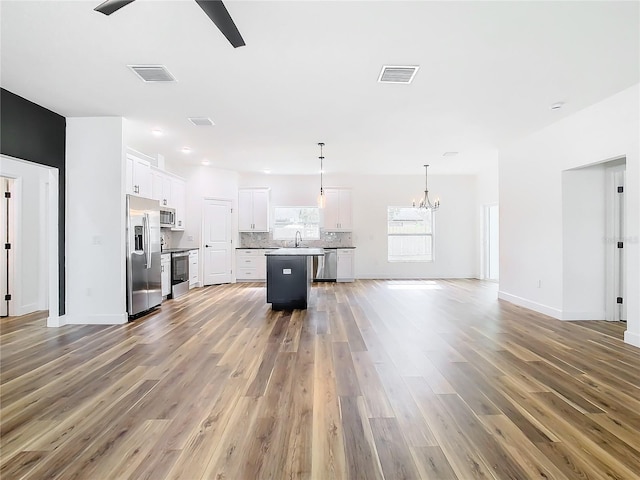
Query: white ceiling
[[488, 73]]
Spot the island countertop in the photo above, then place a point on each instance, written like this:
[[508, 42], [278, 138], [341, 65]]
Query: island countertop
[[296, 252]]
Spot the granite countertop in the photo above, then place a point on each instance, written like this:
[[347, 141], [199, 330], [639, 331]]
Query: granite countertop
[[273, 248], [176, 250], [297, 252]]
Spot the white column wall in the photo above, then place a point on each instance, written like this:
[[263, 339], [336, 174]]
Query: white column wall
[[95, 221], [531, 212]]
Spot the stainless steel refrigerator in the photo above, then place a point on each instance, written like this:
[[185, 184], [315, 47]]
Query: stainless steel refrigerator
[[144, 288]]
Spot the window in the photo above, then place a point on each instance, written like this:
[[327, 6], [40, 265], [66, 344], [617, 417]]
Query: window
[[410, 234], [289, 220]]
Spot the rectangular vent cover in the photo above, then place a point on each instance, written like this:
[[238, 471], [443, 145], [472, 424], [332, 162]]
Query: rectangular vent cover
[[152, 73], [397, 74], [201, 121]]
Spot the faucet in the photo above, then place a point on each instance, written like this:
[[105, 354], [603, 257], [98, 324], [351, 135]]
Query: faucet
[[298, 238]]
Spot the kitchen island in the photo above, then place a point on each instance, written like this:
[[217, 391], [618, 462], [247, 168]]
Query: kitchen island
[[289, 276]]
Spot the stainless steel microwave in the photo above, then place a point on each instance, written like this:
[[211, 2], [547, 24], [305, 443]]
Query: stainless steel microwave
[[167, 217]]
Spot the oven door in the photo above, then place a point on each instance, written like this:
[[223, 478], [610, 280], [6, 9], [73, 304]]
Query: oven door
[[179, 268]]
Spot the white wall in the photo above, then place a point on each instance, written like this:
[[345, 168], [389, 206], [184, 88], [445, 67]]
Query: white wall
[[531, 203], [456, 236], [95, 221], [487, 194], [29, 288]]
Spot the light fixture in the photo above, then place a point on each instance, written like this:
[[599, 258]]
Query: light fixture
[[321, 197], [157, 132], [186, 150], [557, 106], [205, 162], [425, 203], [267, 171]]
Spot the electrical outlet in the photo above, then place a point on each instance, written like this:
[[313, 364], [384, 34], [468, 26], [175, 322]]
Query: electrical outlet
[[190, 238]]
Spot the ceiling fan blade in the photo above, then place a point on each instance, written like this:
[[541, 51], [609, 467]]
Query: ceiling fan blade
[[111, 6], [218, 13]]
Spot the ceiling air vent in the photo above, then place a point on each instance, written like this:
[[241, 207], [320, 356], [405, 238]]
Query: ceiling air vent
[[152, 73], [395, 74], [201, 121]]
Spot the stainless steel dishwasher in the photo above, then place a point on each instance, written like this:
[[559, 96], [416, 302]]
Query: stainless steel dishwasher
[[325, 269]]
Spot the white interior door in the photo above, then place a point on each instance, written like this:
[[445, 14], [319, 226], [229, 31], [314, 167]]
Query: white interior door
[[217, 241]]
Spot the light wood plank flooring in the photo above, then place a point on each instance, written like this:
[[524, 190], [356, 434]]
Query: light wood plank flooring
[[377, 379]]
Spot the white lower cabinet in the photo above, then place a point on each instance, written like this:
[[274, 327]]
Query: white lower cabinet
[[165, 267], [345, 268], [251, 265], [193, 268]]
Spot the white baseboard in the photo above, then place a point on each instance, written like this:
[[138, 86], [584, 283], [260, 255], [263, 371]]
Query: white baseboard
[[26, 309], [111, 319], [56, 321], [632, 338], [537, 307], [584, 316], [378, 276]]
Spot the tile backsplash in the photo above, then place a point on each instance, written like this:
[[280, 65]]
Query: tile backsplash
[[265, 240]]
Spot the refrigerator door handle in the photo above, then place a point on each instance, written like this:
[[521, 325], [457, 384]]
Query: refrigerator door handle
[[147, 241]]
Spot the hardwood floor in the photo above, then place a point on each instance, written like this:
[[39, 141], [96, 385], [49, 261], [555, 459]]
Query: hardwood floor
[[377, 379]]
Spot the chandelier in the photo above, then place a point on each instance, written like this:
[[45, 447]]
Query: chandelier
[[321, 197], [425, 203]]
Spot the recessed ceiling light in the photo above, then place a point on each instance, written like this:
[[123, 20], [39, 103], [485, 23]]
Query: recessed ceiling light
[[267, 170], [157, 132], [557, 106], [449, 154], [186, 150], [205, 162]]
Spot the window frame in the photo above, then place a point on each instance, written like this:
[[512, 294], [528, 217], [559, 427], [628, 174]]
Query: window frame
[[430, 235]]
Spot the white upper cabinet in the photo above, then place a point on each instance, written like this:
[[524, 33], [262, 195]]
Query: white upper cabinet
[[138, 181], [337, 210], [253, 209], [161, 187]]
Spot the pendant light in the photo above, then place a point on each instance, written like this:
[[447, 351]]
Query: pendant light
[[425, 203], [321, 197]]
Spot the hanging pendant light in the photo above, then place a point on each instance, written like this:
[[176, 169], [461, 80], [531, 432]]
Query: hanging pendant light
[[425, 203], [321, 197]]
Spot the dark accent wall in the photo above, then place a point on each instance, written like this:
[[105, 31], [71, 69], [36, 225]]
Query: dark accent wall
[[33, 133]]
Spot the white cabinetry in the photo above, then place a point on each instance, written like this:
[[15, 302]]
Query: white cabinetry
[[161, 187], [193, 268], [138, 173], [178, 201], [345, 269], [337, 210], [253, 210], [165, 267], [251, 265]]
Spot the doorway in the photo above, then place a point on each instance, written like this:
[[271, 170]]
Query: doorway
[[216, 236], [492, 243], [33, 280]]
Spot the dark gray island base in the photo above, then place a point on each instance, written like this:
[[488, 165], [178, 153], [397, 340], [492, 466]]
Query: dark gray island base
[[289, 277]]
